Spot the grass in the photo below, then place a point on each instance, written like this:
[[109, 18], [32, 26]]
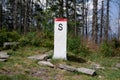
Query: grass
[[18, 67], [17, 77]]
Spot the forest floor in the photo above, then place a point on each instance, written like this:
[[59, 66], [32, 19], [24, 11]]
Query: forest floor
[[19, 67]]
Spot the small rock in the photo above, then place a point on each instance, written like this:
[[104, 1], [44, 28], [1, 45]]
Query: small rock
[[114, 68], [97, 66], [41, 56], [49, 52], [118, 65], [3, 60], [46, 63], [10, 43], [101, 77], [81, 70], [3, 55], [67, 67], [49, 60], [87, 71], [38, 57]]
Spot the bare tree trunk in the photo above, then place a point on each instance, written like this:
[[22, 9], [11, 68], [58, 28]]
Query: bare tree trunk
[[67, 9], [75, 17], [46, 4], [119, 24], [86, 21], [102, 21], [29, 15], [15, 15], [21, 17], [32, 21], [0, 14], [25, 17], [94, 23], [107, 21], [83, 18], [61, 11]]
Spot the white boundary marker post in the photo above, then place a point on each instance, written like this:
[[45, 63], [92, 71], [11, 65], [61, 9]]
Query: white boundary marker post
[[60, 38]]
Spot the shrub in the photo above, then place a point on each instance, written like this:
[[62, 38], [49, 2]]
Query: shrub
[[31, 35], [106, 50], [48, 35], [13, 36], [116, 47], [75, 46], [84, 51], [24, 41], [48, 43], [3, 38], [38, 39], [117, 52], [31, 38], [115, 43], [6, 36], [48, 40], [12, 53]]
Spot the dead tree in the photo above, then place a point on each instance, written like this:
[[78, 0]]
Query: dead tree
[[107, 21], [119, 24], [0, 14], [102, 21], [94, 22], [15, 15]]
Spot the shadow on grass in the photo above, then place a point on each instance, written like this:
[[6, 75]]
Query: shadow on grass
[[76, 59]]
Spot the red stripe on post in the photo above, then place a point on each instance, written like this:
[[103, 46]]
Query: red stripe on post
[[60, 19]]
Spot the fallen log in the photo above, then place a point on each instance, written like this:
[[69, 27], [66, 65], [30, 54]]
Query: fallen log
[[10, 43], [80, 70], [46, 63], [3, 60], [86, 71], [4, 55], [66, 67], [118, 65], [41, 56]]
